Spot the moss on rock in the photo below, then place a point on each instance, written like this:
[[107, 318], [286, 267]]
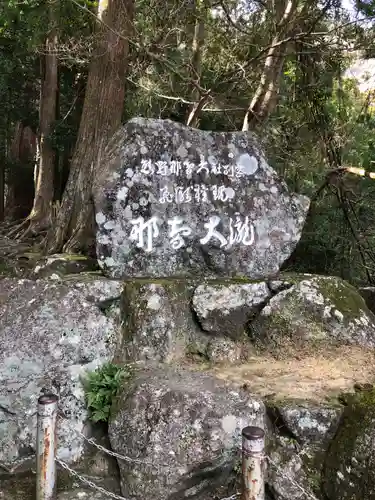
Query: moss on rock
[[349, 471], [314, 311]]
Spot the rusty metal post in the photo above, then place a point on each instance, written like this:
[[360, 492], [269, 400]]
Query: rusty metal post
[[253, 463], [46, 448]]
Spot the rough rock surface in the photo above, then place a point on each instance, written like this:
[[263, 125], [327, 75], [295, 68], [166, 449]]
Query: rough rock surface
[[299, 441], [225, 309], [185, 428], [310, 423], [156, 321], [158, 325], [79, 494], [50, 334], [173, 201], [349, 472], [315, 309]]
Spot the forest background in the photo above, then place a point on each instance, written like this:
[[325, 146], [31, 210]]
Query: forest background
[[71, 71]]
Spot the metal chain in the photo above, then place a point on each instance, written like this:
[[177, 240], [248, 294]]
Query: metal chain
[[233, 497], [89, 483], [102, 490], [113, 453], [308, 495]]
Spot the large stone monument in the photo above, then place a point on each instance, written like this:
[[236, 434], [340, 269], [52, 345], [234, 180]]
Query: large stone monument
[[173, 201]]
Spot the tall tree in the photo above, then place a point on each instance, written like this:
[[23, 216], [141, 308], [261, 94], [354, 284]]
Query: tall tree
[[289, 16], [40, 216], [196, 64], [101, 116]]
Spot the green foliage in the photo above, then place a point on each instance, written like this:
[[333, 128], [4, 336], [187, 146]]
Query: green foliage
[[101, 388], [319, 117]]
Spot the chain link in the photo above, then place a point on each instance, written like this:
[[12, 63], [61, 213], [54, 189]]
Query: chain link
[[138, 461], [233, 497], [88, 482], [105, 492], [113, 453]]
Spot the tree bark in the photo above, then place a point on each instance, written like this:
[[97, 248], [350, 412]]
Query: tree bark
[[40, 216], [101, 116], [20, 186], [264, 99], [196, 66], [2, 188]]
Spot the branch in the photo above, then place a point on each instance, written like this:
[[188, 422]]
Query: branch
[[185, 101]]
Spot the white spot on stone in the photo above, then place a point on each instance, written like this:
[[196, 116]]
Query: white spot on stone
[[122, 193], [135, 206], [248, 164], [142, 201], [154, 302], [109, 261], [144, 150], [130, 183], [129, 172], [230, 193], [274, 190], [255, 405], [182, 152], [229, 424], [338, 315], [128, 214], [109, 225], [100, 218]]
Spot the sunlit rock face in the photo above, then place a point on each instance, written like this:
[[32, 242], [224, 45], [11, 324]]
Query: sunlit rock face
[[173, 201]]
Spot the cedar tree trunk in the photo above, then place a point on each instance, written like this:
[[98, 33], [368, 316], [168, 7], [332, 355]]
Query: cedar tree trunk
[[40, 216], [101, 116]]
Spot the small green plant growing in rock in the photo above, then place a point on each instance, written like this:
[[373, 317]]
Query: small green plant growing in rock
[[101, 388]]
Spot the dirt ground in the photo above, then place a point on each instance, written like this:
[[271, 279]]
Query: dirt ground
[[312, 377]]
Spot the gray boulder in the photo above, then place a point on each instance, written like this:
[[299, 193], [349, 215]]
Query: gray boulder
[[310, 423], [292, 473], [299, 441], [157, 322], [159, 325], [183, 431], [349, 472], [173, 201], [51, 333], [314, 310], [79, 494], [226, 308]]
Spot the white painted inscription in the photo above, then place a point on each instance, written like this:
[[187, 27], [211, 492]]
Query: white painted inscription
[[177, 231], [241, 230], [200, 193], [211, 226], [246, 165], [144, 233]]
